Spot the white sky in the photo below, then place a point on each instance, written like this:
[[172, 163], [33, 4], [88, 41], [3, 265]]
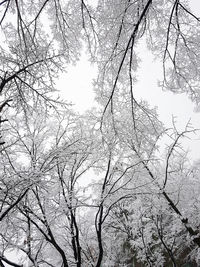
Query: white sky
[[76, 85]]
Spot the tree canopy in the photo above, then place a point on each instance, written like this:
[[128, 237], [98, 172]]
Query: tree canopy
[[94, 189]]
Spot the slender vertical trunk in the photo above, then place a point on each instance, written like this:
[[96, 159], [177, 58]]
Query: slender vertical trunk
[[99, 216], [78, 247], [29, 237], [99, 236]]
